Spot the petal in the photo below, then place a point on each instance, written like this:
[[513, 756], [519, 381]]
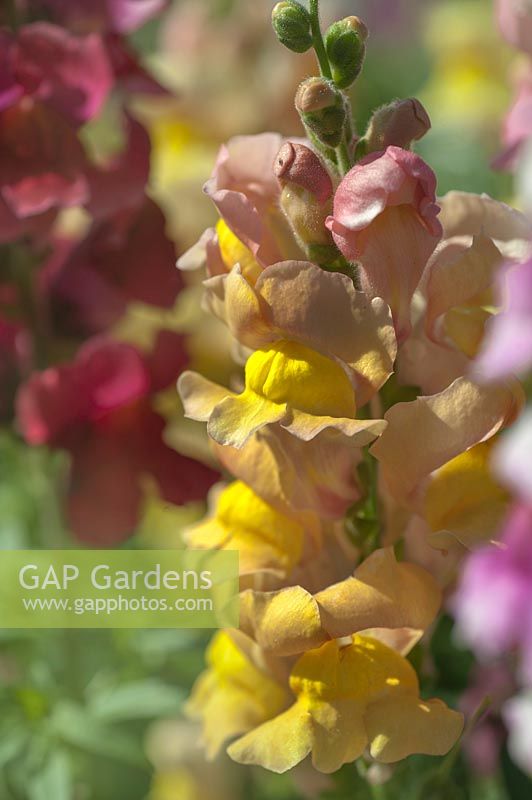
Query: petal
[[381, 594], [317, 476], [277, 745], [236, 418], [456, 283], [284, 622], [309, 293], [428, 432], [339, 734], [307, 426], [403, 725], [199, 395]]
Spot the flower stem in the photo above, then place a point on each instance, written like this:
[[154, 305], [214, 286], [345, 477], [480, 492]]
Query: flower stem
[[319, 47], [342, 151]]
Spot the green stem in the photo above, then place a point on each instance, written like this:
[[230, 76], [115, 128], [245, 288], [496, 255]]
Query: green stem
[[342, 151], [319, 47]]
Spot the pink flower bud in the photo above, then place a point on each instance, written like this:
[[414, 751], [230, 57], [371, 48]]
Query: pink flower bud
[[385, 217], [298, 164], [400, 123]]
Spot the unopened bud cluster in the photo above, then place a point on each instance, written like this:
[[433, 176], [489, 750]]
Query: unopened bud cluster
[[291, 23], [322, 109], [346, 50]]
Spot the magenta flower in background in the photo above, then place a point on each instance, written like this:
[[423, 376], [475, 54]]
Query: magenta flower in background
[[493, 605], [515, 23], [508, 343], [513, 458], [87, 283], [46, 64], [122, 16], [517, 126], [385, 217], [98, 408]]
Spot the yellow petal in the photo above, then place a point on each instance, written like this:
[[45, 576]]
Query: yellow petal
[[243, 521], [339, 734], [381, 594], [402, 725], [283, 622], [233, 251], [277, 745], [464, 499], [237, 417]]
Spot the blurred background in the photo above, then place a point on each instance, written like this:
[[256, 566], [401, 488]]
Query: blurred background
[[96, 715]]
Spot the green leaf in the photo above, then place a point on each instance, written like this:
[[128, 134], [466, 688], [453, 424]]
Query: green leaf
[[146, 699], [76, 727], [53, 781]]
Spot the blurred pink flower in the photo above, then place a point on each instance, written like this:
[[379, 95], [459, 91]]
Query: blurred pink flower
[[46, 64], [484, 743], [515, 21], [508, 343], [15, 360], [493, 605], [98, 408], [517, 127], [123, 16], [124, 258], [513, 457], [385, 218]]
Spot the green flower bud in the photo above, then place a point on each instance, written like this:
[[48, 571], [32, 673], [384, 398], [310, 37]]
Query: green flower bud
[[291, 23], [322, 109], [346, 49]]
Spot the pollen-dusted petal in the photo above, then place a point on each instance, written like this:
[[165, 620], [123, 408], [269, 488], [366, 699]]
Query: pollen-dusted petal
[[402, 725], [199, 395], [425, 434], [282, 622], [279, 744]]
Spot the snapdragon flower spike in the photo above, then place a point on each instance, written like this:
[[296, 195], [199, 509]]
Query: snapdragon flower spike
[[347, 698], [98, 408], [267, 540], [382, 594], [507, 347], [301, 376], [385, 219], [421, 441]]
